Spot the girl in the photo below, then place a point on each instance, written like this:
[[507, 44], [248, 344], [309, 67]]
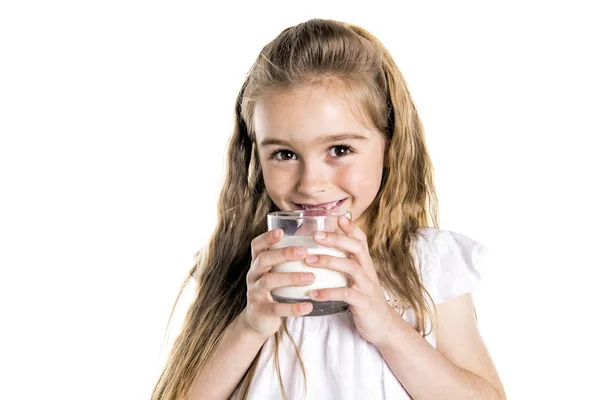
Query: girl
[[324, 119]]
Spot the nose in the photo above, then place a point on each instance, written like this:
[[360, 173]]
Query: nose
[[313, 179]]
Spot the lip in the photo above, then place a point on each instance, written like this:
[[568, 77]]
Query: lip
[[321, 205]]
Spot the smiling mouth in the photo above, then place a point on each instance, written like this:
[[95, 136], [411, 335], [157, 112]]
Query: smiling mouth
[[333, 205]]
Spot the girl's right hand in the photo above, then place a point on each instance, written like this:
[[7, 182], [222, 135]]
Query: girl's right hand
[[262, 314]]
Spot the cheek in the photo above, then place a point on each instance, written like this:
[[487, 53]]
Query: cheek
[[363, 177], [277, 181]]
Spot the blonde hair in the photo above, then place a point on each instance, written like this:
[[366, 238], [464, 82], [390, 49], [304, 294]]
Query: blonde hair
[[341, 56]]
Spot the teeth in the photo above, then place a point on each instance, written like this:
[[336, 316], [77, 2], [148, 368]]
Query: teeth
[[328, 206]]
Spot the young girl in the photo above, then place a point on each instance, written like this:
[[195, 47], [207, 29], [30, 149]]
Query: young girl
[[325, 119]]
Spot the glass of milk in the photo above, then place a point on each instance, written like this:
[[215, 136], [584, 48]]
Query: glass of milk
[[298, 230]]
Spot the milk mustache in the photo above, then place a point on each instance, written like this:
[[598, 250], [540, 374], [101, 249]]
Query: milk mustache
[[324, 278]]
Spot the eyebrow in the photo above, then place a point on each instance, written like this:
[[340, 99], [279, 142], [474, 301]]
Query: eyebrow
[[319, 140]]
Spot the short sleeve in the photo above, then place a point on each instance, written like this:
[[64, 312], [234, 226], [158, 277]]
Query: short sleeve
[[451, 263]]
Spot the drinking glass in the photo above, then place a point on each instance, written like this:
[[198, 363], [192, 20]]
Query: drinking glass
[[298, 230]]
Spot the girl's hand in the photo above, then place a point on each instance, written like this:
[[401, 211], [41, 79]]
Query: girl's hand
[[262, 314], [372, 314]]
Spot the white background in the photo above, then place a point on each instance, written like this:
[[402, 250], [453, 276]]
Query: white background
[[114, 117]]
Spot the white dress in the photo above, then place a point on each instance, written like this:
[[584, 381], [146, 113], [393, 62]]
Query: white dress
[[339, 363]]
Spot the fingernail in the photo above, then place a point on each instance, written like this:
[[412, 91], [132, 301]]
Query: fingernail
[[299, 251], [277, 234], [313, 293], [305, 306], [307, 277], [320, 235], [344, 220], [312, 258]]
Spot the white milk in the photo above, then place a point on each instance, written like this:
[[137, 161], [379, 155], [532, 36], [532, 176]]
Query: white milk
[[324, 278]]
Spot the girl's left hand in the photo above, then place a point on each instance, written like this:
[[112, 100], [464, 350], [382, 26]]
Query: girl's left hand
[[373, 316]]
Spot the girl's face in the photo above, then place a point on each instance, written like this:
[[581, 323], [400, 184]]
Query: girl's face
[[314, 152]]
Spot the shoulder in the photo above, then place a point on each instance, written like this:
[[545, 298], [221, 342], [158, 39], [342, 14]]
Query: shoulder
[[451, 263]]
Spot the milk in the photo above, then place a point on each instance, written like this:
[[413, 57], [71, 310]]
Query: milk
[[324, 278]]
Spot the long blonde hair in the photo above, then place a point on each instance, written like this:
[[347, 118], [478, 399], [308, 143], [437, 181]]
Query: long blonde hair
[[349, 58]]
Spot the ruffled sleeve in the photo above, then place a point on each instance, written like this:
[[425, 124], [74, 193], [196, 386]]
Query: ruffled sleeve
[[451, 263]]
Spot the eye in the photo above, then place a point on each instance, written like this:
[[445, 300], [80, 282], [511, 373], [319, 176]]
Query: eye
[[283, 155], [340, 151]]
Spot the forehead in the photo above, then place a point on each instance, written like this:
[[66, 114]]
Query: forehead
[[308, 114]]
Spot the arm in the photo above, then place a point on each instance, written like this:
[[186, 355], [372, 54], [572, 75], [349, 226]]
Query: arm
[[234, 353], [243, 338], [460, 367]]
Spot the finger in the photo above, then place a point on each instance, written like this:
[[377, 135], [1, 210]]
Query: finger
[[354, 242], [286, 309], [264, 241], [351, 229], [274, 280], [349, 295], [346, 266], [270, 258], [347, 244]]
